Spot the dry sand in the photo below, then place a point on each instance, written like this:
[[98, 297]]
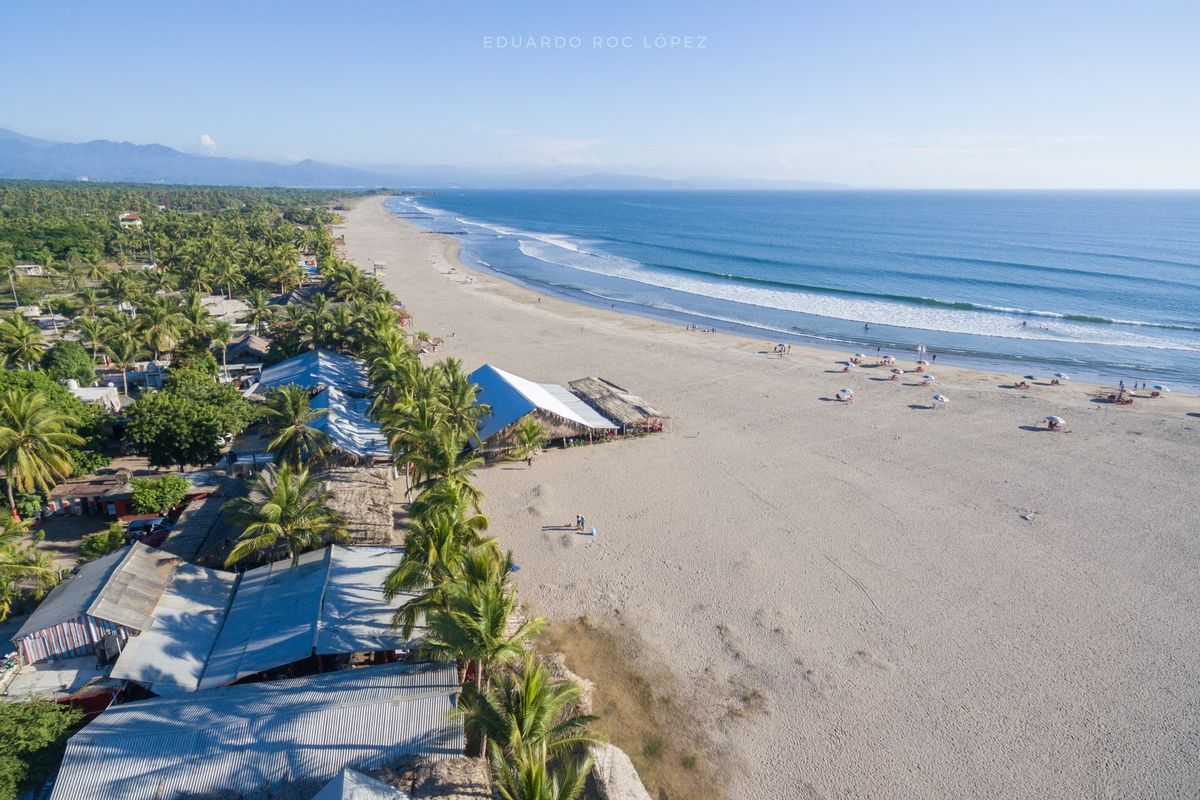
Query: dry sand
[[934, 604]]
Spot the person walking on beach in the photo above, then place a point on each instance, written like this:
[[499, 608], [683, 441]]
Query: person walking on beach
[[934, 358]]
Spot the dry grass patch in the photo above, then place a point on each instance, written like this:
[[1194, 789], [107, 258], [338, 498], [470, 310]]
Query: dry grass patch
[[642, 709]]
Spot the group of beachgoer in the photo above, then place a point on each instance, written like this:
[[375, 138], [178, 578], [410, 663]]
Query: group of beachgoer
[[701, 330], [782, 349]]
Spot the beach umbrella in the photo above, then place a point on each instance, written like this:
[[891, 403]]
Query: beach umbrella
[[923, 363], [928, 379], [889, 358], [897, 372], [859, 355], [849, 364], [1159, 388], [1031, 377], [846, 391], [1062, 376], [941, 399], [1056, 421]]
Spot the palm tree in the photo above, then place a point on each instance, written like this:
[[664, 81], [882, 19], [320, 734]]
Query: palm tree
[[89, 301], [73, 273], [34, 437], [122, 353], [91, 331], [528, 710], [20, 561], [532, 776], [260, 311], [21, 340], [228, 274], [451, 499], [530, 437], [220, 333], [159, 320], [290, 416], [158, 280], [473, 625], [444, 459], [284, 508], [194, 318], [458, 396]]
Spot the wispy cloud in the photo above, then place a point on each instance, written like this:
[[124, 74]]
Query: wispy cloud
[[208, 143]]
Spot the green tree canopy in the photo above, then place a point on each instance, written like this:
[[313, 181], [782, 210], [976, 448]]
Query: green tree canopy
[[159, 495], [69, 360], [35, 736]]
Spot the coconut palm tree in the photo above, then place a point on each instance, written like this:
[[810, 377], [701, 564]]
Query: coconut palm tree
[[527, 710], [532, 776], [451, 499], [159, 320], [220, 332], [457, 395], [473, 625], [290, 417], [21, 340], [286, 509], [121, 288], [123, 353], [89, 301], [530, 437], [91, 331], [444, 459], [20, 562], [194, 319], [73, 273], [158, 280], [228, 273], [260, 311], [34, 437]]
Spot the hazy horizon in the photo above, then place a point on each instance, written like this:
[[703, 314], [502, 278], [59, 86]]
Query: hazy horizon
[[1024, 95]]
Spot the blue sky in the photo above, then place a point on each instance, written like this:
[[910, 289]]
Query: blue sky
[[1004, 94]]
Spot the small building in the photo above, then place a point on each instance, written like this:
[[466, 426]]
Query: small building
[[29, 271], [316, 369], [129, 220], [242, 740], [113, 596], [513, 399], [351, 784], [249, 348], [105, 397]]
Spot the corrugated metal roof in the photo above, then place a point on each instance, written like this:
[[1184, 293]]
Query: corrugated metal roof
[[353, 785], [131, 593], [272, 620], [511, 397], [355, 618], [242, 738], [169, 657], [331, 603], [348, 426], [121, 587], [590, 416], [317, 368], [74, 596]]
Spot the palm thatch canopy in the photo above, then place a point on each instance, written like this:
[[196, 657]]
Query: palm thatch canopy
[[363, 499], [627, 410]]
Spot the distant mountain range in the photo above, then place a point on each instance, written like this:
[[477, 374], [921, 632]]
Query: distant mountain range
[[102, 160]]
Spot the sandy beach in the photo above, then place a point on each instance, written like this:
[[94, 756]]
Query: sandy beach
[[929, 603]]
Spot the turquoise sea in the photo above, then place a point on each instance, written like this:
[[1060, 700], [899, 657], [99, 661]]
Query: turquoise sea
[[1101, 285]]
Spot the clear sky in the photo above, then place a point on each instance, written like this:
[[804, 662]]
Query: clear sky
[[922, 94]]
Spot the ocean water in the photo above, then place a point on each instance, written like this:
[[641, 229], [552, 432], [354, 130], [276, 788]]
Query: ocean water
[[1103, 286]]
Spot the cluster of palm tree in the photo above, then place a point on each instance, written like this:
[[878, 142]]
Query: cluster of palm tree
[[21, 564], [459, 580]]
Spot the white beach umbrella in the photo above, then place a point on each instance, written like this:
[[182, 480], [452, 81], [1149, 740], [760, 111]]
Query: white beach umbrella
[[1056, 421], [928, 379], [846, 391], [1031, 377], [849, 364], [859, 355], [1062, 376], [889, 358], [941, 399], [923, 363], [897, 371], [1159, 388]]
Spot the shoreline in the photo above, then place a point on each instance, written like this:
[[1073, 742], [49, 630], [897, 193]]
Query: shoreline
[[829, 337], [874, 599]]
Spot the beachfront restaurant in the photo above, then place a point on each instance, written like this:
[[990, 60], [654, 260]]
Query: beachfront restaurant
[[512, 399]]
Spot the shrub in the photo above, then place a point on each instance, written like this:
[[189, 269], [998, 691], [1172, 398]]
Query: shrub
[[100, 544], [66, 360]]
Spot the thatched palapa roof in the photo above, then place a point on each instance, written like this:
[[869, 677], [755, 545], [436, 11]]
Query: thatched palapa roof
[[363, 499], [614, 402]]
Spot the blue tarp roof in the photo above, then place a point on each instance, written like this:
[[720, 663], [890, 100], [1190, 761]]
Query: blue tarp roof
[[511, 397], [348, 426], [317, 368]]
